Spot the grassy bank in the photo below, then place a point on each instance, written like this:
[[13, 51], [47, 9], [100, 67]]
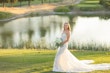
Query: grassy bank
[[89, 5], [4, 15], [41, 61], [84, 5]]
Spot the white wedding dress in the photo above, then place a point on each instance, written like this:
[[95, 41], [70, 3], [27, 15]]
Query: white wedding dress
[[66, 62]]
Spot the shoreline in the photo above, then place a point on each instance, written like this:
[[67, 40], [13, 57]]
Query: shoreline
[[46, 9], [39, 13]]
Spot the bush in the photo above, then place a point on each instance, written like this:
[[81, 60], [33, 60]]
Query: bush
[[62, 9], [4, 15], [71, 7], [105, 3]]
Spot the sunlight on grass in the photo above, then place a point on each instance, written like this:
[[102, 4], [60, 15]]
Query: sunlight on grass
[[41, 61], [4, 52]]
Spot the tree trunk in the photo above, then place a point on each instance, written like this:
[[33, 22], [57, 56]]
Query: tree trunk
[[42, 1], [20, 3], [11, 4], [29, 2], [49, 1], [3, 3]]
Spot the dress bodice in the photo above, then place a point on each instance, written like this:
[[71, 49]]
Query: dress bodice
[[63, 36]]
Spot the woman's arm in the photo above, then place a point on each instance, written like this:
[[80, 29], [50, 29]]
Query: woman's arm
[[68, 37]]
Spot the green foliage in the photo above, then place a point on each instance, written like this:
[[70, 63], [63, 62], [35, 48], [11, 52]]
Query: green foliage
[[13, 1], [105, 3], [62, 9], [25, 2], [71, 7], [4, 15], [105, 17], [33, 14], [91, 46]]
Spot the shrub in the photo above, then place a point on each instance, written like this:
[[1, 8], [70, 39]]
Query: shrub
[[105, 3], [62, 9], [71, 7]]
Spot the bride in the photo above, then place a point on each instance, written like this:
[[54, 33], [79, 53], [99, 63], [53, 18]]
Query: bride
[[66, 62]]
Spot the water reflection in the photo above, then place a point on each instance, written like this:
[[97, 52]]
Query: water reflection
[[93, 28], [31, 30], [41, 31]]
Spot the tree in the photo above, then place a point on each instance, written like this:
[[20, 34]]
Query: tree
[[8, 1], [42, 1], [3, 2], [49, 1], [12, 2], [29, 2], [20, 1]]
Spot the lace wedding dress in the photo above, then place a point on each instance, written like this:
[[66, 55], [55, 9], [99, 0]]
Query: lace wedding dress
[[66, 62]]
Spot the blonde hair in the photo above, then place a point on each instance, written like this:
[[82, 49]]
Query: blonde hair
[[69, 27]]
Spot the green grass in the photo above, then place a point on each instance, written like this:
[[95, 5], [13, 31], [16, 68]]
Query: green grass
[[89, 5], [41, 61], [4, 15], [92, 2]]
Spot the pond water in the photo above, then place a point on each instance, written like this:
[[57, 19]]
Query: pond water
[[41, 31]]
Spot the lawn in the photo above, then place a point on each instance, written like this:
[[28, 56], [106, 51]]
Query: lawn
[[89, 2], [90, 5], [41, 61]]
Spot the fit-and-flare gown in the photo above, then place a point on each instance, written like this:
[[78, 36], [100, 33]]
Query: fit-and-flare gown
[[65, 61]]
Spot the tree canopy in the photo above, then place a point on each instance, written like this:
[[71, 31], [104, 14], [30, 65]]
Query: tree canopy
[[14, 1]]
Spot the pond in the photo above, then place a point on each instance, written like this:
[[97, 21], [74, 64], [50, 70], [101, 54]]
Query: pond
[[41, 31]]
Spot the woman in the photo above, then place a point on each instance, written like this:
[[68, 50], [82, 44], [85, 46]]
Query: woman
[[66, 62]]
